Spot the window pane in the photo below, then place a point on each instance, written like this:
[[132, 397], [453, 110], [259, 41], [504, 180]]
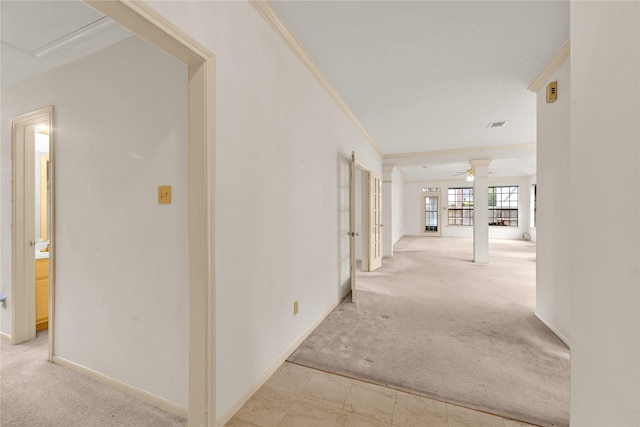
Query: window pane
[[503, 206], [460, 206]]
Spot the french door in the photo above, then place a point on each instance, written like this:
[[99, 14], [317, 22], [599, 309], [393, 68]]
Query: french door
[[431, 214], [371, 221], [375, 221]]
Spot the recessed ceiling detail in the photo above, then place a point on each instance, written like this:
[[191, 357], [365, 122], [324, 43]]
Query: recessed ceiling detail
[[497, 124], [37, 36], [74, 37]]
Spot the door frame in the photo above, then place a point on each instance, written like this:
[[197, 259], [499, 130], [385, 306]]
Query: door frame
[[23, 285], [147, 24], [423, 197]]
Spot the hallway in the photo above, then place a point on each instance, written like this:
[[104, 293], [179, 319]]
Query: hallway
[[432, 323]]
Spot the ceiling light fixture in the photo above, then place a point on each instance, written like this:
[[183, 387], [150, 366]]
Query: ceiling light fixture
[[42, 129], [470, 176]]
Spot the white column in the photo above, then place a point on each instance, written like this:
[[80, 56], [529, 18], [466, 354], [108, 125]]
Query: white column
[[481, 211]]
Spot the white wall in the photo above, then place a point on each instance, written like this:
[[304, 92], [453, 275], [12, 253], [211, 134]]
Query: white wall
[[120, 130], [282, 182], [605, 250], [413, 215], [555, 214], [392, 208]]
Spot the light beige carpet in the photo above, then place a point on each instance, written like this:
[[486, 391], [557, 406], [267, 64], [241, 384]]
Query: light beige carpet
[[36, 393], [433, 323]]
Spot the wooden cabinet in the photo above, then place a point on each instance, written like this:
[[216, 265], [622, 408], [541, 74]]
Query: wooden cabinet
[[42, 294]]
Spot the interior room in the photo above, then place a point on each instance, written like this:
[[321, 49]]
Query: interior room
[[191, 300]]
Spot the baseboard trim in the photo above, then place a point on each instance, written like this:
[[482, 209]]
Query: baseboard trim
[[553, 329], [229, 413], [152, 399], [5, 337]]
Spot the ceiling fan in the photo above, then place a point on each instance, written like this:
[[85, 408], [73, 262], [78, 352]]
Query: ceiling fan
[[468, 173]]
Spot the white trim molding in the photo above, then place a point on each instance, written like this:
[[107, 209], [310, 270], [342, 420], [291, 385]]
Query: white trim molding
[[273, 19], [553, 329], [235, 407], [551, 67], [152, 399], [5, 337]]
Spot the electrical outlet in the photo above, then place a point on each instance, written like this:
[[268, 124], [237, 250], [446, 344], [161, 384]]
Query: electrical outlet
[[164, 194], [295, 307]]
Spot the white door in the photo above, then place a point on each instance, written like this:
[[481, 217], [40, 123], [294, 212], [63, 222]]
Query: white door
[[352, 225], [431, 215], [375, 221], [23, 288]]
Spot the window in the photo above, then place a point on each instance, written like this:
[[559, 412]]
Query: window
[[503, 206], [460, 206]]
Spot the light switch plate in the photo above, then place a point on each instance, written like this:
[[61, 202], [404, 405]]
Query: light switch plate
[[164, 194], [552, 92]]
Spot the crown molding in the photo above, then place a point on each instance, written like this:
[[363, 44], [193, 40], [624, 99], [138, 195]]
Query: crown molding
[[273, 19], [552, 67]]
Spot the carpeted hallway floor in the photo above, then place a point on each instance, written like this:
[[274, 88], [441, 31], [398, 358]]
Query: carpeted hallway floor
[[432, 322], [36, 393]]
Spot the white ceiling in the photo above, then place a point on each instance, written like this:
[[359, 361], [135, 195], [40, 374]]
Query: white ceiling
[[41, 35], [421, 76], [427, 76]]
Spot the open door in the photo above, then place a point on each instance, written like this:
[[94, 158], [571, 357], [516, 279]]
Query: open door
[[352, 225], [375, 221], [371, 221], [31, 297]]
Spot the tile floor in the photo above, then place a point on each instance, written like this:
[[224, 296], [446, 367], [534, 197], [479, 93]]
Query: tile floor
[[296, 396]]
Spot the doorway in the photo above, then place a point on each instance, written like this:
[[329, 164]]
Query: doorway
[[365, 220], [42, 242], [34, 231], [431, 214], [144, 21]]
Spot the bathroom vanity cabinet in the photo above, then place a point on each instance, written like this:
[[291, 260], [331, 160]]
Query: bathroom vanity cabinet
[[42, 294]]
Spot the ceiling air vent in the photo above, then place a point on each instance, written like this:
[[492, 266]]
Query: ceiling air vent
[[497, 124]]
